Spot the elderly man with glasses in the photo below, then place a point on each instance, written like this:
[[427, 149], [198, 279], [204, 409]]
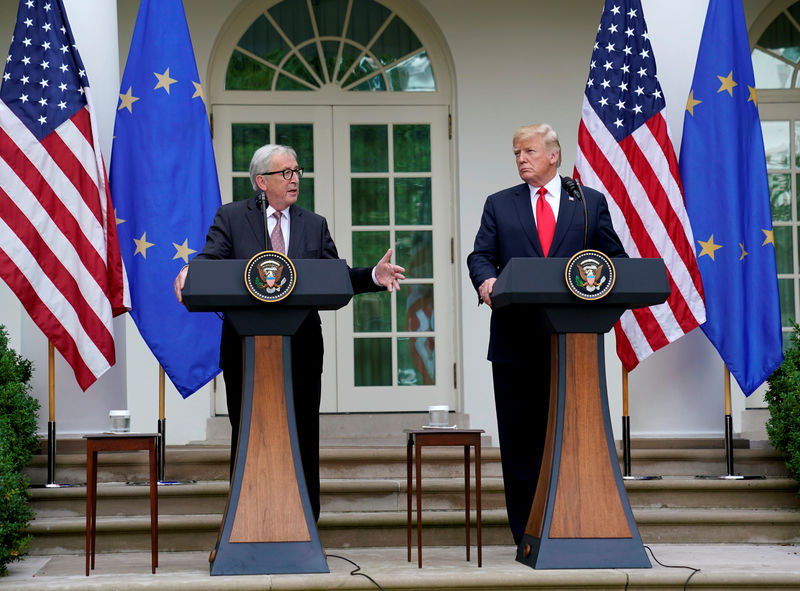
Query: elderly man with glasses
[[238, 233]]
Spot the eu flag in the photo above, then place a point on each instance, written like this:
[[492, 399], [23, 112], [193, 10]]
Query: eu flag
[[165, 187], [724, 174]]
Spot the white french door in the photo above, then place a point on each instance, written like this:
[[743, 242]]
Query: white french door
[[392, 189], [381, 177]]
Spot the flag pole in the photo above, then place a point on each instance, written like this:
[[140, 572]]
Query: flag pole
[[626, 427], [626, 435], [161, 452], [726, 380], [162, 425], [728, 421], [51, 419]]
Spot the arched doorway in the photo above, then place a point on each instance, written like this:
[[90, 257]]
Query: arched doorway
[[362, 90]]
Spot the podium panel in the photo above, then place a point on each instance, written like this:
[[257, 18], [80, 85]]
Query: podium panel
[[269, 480], [580, 516], [268, 526]]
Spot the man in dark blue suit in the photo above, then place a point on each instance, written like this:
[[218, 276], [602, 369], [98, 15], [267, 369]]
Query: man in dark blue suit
[[535, 219], [238, 233]]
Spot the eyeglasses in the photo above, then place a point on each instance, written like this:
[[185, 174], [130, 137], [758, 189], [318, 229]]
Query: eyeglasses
[[286, 172]]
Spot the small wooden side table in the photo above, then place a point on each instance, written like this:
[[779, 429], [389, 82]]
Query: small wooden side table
[[101, 442], [444, 437]]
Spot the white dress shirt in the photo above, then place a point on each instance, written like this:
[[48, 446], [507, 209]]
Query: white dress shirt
[[553, 195]]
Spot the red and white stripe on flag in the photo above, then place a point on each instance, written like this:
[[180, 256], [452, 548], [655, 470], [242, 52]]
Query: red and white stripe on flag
[[59, 251], [640, 176]]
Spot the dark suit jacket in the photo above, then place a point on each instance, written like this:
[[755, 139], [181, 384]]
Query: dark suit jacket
[[508, 230], [238, 233]]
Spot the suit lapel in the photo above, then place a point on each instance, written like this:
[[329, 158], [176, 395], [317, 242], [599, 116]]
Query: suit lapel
[[524, 211], [255, 222], [568, 209], [296, 224]]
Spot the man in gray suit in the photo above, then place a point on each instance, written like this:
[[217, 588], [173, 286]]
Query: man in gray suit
[[238, 233]]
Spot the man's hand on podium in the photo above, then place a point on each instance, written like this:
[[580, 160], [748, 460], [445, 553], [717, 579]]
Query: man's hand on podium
[[485, 290], [180, 280]]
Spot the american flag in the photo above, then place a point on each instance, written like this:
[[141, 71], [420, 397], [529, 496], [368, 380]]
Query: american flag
[[58, 239], [625, 150]]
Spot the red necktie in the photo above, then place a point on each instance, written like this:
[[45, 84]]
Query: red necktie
[[545, 221], [277, 235]]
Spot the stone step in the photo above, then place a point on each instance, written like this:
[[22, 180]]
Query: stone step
[[204, 462], [351, 495], [346, 496], [66, 535], [763, 461], [699, 493]]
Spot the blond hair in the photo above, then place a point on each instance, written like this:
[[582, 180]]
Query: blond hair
[[543, 130]]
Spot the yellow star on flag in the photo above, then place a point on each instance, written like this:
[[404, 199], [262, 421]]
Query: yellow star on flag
[[126, 100], [691, 103], [198, 91], [164, 80], [118, 220], [744, 252], [753, 96], [142, 245], [708, 247], [769, 237], [727, 83], [183, 251]]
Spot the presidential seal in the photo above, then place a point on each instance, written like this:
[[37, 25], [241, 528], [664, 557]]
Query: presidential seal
[[590, 275], [270, 276]]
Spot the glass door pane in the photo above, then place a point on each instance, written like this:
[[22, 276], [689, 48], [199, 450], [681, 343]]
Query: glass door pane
[[392, 191]]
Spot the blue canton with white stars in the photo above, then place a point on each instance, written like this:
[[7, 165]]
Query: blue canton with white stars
[[44, 78], [622, 87]]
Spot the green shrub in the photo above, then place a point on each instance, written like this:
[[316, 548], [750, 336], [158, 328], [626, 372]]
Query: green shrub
[[18, 441], [783, 398]]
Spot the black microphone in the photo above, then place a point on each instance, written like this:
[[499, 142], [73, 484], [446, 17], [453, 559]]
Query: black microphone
[[261, 201], [574, 189]]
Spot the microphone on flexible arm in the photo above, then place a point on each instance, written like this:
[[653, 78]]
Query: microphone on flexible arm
[[574, 189], [261, 201]]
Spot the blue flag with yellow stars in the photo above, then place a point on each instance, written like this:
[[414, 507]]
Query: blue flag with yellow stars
[[165, 188], [724, 173]]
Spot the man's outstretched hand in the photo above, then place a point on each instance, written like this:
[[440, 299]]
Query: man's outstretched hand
[[388, 274]]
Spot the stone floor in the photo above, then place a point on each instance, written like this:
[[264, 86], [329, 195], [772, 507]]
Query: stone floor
[[720, 566]]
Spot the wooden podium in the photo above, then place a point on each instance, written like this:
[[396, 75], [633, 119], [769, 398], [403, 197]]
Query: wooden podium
[[580, 516], [268, 526]]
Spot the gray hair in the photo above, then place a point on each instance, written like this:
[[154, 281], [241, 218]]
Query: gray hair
[[543, 130], [262, 160]]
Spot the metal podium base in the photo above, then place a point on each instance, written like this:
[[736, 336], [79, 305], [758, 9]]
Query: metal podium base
[[730, 477], [582, 553], [580, 517], [268, 526]]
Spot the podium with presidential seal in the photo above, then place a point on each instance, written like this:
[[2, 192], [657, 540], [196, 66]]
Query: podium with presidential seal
[[580, 517], [268, 526]]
